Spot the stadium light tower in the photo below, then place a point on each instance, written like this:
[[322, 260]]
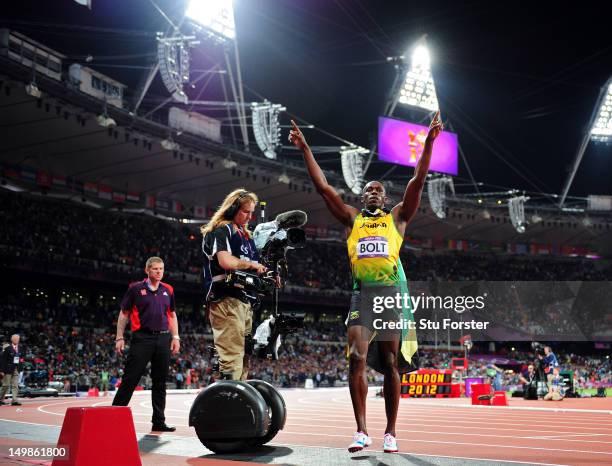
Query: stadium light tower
[[216, 16], [215, 19], [418, 88], [599, 130], [413, 85]]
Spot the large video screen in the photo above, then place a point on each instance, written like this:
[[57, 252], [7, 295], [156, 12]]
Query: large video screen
[[402, 143]]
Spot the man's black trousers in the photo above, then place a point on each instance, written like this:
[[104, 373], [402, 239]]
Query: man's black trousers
[[147, 347]]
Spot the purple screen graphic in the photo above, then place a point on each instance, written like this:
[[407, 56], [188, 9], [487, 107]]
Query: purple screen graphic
[[402, 143]]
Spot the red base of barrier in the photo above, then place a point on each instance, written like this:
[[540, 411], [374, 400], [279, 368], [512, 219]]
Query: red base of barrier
[[499, 399], [98, 436], [479, 389]]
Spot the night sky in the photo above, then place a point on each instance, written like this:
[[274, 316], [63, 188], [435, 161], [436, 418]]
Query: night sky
[[519, 77]]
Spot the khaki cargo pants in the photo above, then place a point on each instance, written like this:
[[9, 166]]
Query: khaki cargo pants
[[231, 320], [10, 382]]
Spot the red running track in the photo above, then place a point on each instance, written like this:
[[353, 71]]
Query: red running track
[[570, 432]]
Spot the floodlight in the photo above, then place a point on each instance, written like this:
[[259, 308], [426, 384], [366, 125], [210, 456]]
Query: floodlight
[[418, 89], [105, 121], [32, 89], [436, 191], [266, 127], [283, 178], [169, 144], [352, 160], [229, 163], [516, 208], [420, 56], [216, 16], [602, 126]]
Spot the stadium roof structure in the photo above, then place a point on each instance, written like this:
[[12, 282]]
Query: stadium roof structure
[[130, 157]]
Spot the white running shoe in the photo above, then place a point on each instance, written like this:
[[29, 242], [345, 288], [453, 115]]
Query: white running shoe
[[360, 441], [389, 444]]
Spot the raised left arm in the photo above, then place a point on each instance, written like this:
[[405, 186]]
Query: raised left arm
[[405, 210]]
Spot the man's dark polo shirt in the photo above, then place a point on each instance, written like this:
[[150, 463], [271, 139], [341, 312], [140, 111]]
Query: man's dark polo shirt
[[149, 309]]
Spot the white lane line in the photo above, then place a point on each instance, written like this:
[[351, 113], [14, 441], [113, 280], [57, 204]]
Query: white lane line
[[102, 403], [446, 412], [291, 424], [30, 423], [134, 413], [460, 423], [313, 398], [149, 405], [40, 408], [491, 414], [444, 405], [55, 425], [563, 436]]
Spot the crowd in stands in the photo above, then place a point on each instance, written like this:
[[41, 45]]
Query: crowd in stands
[[71, 345], [51, 234], [54, 233]]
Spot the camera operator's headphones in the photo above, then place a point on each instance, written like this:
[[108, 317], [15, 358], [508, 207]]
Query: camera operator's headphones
[[233, 209]]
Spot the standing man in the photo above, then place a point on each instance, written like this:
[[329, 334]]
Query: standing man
[[375, 236], [527, 378], [10, 366], [228, 246], [549, 363], [149, 305]]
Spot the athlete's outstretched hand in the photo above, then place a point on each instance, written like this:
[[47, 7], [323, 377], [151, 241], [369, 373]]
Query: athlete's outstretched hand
[[296, 136], [435, 127]]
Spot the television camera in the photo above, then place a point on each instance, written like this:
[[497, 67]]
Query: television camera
[[273, 240]]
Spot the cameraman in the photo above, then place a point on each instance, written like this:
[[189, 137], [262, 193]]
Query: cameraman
[[528, 379], [228, 246], [548, 363]]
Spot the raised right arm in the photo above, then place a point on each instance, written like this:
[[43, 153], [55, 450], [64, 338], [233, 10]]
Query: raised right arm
[[344, 213]]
